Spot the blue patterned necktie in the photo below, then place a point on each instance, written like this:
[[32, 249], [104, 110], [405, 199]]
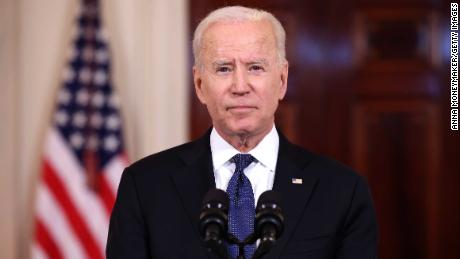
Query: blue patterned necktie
[[242, 206]]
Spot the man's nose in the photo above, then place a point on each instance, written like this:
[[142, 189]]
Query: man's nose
[[240, 82]]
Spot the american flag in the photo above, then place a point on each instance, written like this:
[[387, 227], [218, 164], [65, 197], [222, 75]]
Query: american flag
[[84, 153]]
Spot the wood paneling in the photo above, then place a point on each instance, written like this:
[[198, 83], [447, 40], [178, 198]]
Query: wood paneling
[[396, 146]]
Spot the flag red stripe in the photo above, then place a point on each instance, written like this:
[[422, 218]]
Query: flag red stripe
[[106, 194], [46, 242], [76, 222], [124, 157]]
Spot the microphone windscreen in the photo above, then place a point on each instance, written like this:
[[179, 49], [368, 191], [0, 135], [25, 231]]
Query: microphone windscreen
[[216, 196], [268, 197]]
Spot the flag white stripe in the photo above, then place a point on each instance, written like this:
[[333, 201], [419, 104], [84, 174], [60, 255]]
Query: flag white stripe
[[57, 226], [89, 205], [37, 252], [113, 170]]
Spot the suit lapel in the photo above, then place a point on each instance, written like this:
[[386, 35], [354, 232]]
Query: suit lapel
[[291, 163], [195, 178]]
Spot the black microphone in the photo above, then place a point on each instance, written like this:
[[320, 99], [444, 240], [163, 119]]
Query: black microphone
[[269, 222], [214, 221]]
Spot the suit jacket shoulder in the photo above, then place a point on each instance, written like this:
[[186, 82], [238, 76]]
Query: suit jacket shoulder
[[158, 204], [179, 155], [327, 206]]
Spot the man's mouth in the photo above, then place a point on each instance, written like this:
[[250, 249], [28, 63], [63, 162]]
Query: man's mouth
[[241, 108]]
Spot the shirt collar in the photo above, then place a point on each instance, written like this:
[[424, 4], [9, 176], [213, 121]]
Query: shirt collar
[[266, 152]]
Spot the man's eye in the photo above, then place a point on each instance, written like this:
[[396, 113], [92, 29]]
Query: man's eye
[[256, 68], [223, 69]]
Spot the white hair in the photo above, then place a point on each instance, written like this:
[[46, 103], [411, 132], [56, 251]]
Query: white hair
[[239, 14]]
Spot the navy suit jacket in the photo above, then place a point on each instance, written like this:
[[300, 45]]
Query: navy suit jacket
[[329, 215]]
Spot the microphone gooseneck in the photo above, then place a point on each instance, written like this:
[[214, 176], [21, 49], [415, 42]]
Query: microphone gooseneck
[[213, 222], [269, 222]]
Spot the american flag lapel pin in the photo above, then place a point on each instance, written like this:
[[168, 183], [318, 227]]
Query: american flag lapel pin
[[297, 180]]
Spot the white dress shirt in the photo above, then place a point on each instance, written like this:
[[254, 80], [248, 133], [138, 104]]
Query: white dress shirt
[[260, 173]]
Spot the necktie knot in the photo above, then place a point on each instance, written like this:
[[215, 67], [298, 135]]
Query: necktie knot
[[242, 161]]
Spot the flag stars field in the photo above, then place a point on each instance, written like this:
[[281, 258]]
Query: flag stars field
[[79, 119], [96, 120], [76, 139], [93, 142], [61, 118], [82, 97], [110, 143], [85, 75], [113, 122], [100, 78], [64, 97], [101, 56], [114, 102], [98, 99], [68, 75]]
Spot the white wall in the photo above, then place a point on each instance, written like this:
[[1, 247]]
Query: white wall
[[149, 45], [8, 59]]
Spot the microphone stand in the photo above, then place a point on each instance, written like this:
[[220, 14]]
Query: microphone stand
[[267, 241], [265, 245], [251, 239]]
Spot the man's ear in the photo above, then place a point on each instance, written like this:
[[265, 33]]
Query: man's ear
[[284, 77], [197, 81]]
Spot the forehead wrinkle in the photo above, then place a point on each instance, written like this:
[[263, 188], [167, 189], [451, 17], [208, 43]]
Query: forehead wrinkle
[[249, 61], [260, 54], [263, 61], [224, 62]]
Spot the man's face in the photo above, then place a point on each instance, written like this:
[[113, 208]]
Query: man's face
[[240, 78]]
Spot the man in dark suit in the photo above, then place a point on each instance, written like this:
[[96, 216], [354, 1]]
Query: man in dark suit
[[240, 74]]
